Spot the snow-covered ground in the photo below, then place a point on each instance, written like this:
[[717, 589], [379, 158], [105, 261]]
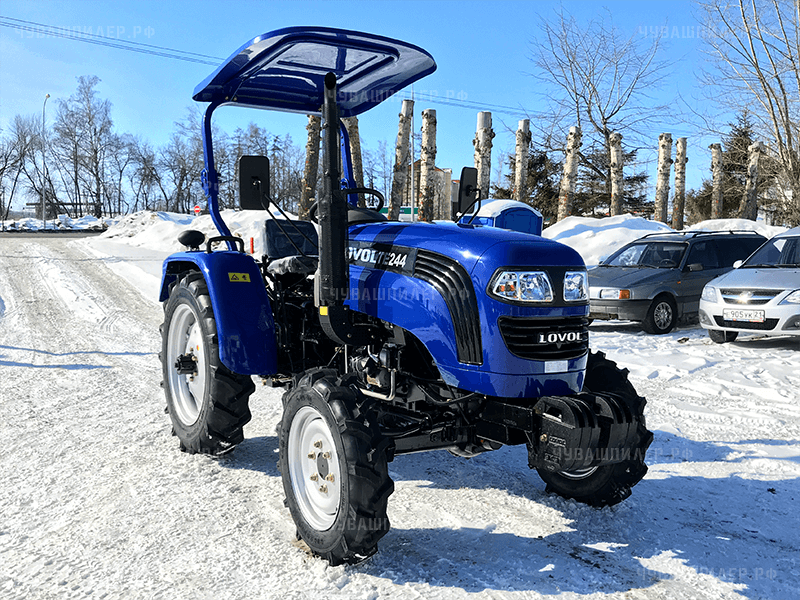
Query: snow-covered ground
[[97, 501]]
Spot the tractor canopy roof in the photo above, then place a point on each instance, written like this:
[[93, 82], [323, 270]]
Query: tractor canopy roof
[[284, 70]]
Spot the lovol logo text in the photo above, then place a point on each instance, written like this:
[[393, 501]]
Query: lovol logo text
[[378, 258], [559, 337]]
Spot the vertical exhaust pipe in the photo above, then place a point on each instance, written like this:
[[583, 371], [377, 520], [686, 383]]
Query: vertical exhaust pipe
[[333, 279], [332, 211]]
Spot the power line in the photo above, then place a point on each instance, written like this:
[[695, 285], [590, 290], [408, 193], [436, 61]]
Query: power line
[[44, 29], [101, 40]]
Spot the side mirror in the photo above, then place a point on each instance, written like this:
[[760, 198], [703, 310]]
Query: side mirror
[[254, 182], [695, 267], [468, 192], [738, 264]]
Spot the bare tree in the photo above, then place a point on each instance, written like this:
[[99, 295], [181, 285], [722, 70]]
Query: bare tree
[[756, 45], [594, 76]]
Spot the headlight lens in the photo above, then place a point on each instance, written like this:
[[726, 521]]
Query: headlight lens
[[523, 286], [576, 286], [614, 294], [709, 294], [793, 298]]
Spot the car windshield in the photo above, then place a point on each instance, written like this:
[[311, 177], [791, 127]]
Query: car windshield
[[659, 255], [777, 252]]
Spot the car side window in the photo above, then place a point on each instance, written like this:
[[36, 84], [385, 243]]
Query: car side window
[[731, 250], [705, 254]]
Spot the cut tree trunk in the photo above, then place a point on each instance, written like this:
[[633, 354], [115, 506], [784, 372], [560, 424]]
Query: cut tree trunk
[[521, 162], [615, 141], [662, 182], [400, 175], [312, 166], [427, 172], [748, 208], [569, 177], [680, 184], [716, 177], [483, 151], [351, 123]]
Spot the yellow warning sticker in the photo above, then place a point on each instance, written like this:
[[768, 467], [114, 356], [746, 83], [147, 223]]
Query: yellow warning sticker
[[239, 277]]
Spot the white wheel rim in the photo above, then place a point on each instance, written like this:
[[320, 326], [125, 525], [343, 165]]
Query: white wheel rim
[[578, 474], [186, 338], [314, 468]]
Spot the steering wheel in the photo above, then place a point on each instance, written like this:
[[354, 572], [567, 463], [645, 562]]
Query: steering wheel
[[312, 211]]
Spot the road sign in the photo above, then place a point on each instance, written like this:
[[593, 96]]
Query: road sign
[[197, 209]]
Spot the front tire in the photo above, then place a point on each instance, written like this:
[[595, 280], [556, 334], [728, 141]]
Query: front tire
[[334, 465], [661, 316], [606, 485], [206, 401]]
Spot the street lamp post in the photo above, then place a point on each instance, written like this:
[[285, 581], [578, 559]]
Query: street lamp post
[[44, 166]]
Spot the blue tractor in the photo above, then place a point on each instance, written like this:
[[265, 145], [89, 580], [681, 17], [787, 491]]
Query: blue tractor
[[389, 337]]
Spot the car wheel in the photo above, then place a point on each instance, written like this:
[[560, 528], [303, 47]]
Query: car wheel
[[721, 337], [661, 316]]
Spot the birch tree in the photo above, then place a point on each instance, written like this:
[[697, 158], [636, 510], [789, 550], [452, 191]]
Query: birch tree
[[400, 174], [662, 182], [598, 77], [427, 165], [311, 170], [680, 184], [756, 47]]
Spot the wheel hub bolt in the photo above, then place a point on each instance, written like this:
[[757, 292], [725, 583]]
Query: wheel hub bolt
[[318, 444], [312, 455], [543, 439], [314, 477], [323, 489], [330, 477], [326, 455]]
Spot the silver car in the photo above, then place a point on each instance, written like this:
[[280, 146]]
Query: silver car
[[658, 278], [762, 295]]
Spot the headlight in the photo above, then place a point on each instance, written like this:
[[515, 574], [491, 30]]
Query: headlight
[[576, 286], [793, 298], [709, 294], [523, 286], [614, 294]]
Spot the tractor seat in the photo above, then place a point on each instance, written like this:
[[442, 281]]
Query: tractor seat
[[292, 247], [357, 215]]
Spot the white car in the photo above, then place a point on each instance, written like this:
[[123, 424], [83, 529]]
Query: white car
[[761, 295]]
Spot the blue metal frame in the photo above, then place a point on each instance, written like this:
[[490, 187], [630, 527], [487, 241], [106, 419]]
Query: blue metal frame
[[245, 329]]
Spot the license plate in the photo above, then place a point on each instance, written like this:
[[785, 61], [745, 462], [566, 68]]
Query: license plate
[[750, 316]]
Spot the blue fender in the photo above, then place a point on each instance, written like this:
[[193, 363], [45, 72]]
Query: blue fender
[[245, 329]]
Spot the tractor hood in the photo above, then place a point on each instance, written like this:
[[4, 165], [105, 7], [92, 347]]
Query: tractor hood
[[467, 244], [624, 277]]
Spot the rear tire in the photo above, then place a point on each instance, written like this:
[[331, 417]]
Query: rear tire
[[661, 316], [722, 337], [608, 484], [334, 465], [206, 401]]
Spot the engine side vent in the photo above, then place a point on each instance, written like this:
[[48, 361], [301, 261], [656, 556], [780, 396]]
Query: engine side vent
[[452, 281], [545, 339]]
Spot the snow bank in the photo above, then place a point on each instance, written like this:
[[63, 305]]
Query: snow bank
[[160, 230], [595, 239]]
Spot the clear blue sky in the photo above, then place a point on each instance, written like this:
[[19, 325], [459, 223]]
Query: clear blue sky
[[482, 50]]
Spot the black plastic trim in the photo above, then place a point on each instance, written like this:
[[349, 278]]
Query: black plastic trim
[[452, 281]]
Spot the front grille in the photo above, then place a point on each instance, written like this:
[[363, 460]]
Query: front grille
[[747, 296], [767, 325], [451, 280], [534, 338]]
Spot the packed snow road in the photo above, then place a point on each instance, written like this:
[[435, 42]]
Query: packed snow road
[[97, 501]]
